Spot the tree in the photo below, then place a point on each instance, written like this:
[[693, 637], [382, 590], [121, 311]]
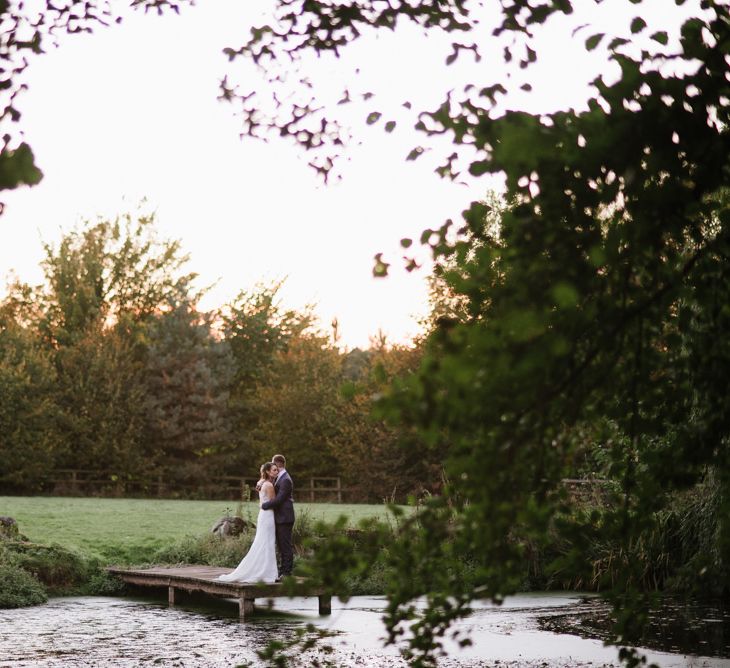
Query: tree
[[109, 273], [105, 284], [453, 294], [601, 300], [100, 399], [372, 454], [27, 411], [257, 330], [188, 373], [298, 407]]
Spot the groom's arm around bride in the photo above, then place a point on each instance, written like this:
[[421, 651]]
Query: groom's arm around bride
[[282, 504]]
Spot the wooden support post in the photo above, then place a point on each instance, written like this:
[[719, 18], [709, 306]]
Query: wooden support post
[[325, 604], [311, 490], [171, 596], [339, 490], [245, 607]]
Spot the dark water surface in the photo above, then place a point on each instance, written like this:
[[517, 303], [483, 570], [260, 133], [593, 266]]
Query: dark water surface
[[99, 631], [676, 626]]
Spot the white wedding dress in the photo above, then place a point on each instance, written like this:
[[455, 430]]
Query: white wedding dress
[[259, 565]]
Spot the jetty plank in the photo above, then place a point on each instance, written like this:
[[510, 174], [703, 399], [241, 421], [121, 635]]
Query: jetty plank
[[203, 579]]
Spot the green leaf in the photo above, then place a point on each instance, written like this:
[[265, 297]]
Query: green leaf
[[637, 25], [565, 294], [390, 126], [661, 37], [479, 167], [373, 117], [406, 243], [18, 168], [380, 269], [598, 256], [594, 40], [616, 42], [415, 153]]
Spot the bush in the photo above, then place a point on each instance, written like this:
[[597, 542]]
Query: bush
[[208, 549], [304, 529], [101, 583], [374, 582], [19, 588], [56, 567], [7, 556]]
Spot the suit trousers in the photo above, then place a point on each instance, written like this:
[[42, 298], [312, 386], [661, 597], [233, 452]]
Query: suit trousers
[[286, 549]]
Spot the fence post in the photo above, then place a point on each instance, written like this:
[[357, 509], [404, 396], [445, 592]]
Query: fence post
[[311, 490], [339, 490]]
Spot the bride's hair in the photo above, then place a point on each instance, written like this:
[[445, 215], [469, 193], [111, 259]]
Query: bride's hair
[[265, 468]]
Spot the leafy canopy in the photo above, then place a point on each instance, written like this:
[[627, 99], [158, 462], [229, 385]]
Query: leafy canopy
[[600, 301]]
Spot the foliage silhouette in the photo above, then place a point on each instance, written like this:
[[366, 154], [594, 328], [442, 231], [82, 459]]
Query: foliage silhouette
[[600, 301]]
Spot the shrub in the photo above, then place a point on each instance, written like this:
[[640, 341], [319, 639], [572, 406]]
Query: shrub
[[56, 567], [304, 529], [19, 588], [7, 556], [101, 583], [374, 581], [207, 549]]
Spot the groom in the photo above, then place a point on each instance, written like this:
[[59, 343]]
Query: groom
[[283, 507]]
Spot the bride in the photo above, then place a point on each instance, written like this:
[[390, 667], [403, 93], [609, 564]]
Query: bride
[[259, 565]]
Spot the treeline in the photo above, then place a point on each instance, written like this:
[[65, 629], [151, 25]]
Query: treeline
[[110, 365]]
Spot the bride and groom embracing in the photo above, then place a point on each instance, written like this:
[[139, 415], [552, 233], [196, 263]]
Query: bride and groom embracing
[[273, 528]]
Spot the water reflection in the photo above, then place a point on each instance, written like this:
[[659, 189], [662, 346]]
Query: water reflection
[[97, 631], [676, 626]]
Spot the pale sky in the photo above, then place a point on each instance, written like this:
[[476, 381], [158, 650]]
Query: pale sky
[[131, 112]]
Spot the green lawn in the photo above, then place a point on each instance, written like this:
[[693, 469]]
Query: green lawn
[[108, 528]]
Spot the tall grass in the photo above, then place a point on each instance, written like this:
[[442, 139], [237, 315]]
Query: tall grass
[[678, 552]]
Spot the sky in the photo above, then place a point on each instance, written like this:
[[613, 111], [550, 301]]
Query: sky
[[128, 119]]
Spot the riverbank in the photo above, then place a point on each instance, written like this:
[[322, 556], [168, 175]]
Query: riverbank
[[125, 532], [61, 546], [133, 530]]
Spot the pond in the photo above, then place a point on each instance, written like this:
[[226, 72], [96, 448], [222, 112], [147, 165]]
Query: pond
[[528, 631]]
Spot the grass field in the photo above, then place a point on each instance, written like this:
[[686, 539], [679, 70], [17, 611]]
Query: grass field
[[114, 528]]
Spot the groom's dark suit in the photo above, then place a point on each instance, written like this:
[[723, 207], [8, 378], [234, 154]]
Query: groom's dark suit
[[283, 507]]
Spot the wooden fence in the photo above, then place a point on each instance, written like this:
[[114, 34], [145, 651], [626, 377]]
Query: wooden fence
[[85, 482], [81, 482]]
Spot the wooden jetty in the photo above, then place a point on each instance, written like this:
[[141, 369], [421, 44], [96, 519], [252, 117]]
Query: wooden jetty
[[203, 579]]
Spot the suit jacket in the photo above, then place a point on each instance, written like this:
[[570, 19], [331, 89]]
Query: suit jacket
[[283, 503]]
